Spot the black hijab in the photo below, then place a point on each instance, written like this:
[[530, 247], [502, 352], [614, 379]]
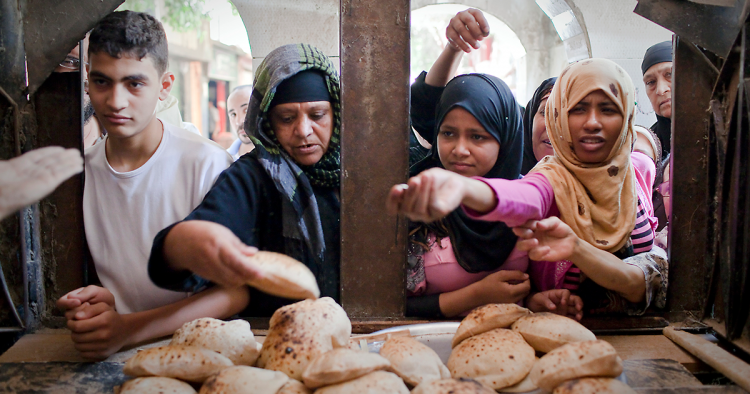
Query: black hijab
[[479, 245], [660, 53], [529, 160]]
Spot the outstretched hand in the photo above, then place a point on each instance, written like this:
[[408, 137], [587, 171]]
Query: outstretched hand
[[211, 251], [427, 197], [28, 178], [548, 239], [466, 29]]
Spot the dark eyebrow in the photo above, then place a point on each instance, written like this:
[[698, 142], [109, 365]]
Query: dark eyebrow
[[136, 77], [99, 74], [243, 105]]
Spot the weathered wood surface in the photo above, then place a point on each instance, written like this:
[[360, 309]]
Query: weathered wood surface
[[658, 373], [60, 377]]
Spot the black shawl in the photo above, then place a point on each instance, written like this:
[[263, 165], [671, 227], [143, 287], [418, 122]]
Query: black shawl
[[529, 160], [480, 245]]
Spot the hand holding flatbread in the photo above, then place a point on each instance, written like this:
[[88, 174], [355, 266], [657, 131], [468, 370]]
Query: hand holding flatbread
[[283, 276]]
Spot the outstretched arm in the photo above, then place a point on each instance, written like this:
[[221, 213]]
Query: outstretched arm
[[551, 239], [464, 32], [99, 331]]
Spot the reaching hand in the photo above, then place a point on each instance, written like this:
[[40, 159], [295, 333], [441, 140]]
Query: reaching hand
[[28, 178], [546, 240], [558, 301], [212, 251], [98, 331], [429, 196], [504, 287], [466, 29], [91, 294]]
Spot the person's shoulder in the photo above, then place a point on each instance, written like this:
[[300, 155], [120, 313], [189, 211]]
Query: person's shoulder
[[194, 145], [95, 154]]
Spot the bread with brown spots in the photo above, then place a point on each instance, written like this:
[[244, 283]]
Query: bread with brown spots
[[243, 379], [594, 386], [453, 386], [546, 331], [378, 382], [497, 358], [523, 386], [413, 361], [294, 387], [486, 318], [190, 363], [576, 360], [283, 276], [156, 385], [232, 339], [300, 332], [340, 365]]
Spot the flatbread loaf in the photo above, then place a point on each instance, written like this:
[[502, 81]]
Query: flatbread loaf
[[576, 360], [547, 331], [156, 385], [294, 387], [453, 386], [243, 379], [594, 386], [378, 382], [190, 363], [340, 365], [302, 331], [486, 318], [283, 276], [413, 361], [497, 358], [232, 339], [523, 386]]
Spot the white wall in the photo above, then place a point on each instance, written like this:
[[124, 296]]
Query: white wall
[[617, 33]]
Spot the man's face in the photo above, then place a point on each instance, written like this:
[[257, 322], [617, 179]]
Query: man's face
[[124, 92], [237, 108], [658, 81], [70, 61]]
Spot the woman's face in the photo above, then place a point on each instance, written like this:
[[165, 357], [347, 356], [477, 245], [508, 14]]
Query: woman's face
[[595, 124], [464, 146], [303, 129], [539, 139]]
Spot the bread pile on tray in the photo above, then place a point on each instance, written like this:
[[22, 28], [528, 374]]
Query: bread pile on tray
[[307, 351]]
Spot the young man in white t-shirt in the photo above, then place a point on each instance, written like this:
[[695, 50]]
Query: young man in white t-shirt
[[144, 176]]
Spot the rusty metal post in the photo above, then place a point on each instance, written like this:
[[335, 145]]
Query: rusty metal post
[[374, 155], [691, 92], [59, 103]]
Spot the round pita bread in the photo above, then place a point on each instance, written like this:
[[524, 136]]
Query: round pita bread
[[294, 387], [302, 331], [190, 363], [453, 386], [486, 318], [413, 361], [547, 331], [340, 365], [576, 360], [378, 382], [283, 276], [243, 379], [497, 358], [156, 385], [594, 386], [232, 339]]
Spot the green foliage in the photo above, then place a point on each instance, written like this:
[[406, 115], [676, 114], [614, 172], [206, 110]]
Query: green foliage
[[184, 15]]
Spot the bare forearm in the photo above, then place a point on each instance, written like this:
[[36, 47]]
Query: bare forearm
[[444, 67], [454, 303], [608, 271], [478, 196], [217, 302]]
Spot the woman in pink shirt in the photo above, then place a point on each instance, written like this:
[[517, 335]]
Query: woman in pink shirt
[[585, 204]]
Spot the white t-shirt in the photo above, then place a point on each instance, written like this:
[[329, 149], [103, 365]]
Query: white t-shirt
[[123, 211]]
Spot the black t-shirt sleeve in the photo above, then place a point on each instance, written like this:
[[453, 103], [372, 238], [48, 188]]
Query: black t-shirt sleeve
[[424, 99], [233, 202]]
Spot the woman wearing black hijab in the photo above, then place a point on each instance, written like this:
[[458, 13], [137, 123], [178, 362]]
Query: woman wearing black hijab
[[478, 133], [536, 142]]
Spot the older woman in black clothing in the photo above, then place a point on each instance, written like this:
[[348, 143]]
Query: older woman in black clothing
[[282, 197]]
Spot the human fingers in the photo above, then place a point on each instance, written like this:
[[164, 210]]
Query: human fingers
[[71, 313], [484, 26], [247, 250], [422, 202], [523, 232], [395, 196], [471, 33], [34, 156], [67, 301], [511, 276], [411, 196], [520, 290], [88, 294], [453, 34], [527, 245], [92, 310], [238, 269]]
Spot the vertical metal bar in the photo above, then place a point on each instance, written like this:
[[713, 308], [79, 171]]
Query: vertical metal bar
[[692, 87], [375, 127]]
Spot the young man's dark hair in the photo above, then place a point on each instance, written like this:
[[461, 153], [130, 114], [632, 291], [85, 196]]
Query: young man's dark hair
[[133, 33]]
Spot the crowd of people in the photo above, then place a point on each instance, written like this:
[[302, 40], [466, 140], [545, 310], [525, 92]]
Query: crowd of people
[[556, 206]]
